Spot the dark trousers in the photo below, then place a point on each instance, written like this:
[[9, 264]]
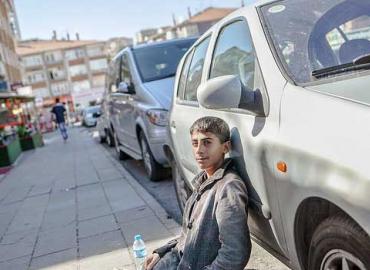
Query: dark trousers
[[169, 261]]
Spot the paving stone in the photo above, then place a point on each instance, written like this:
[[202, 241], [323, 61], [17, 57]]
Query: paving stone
[[56, 240], [133, 214], [16, 264], [97, 226], [94, 212], [17, 245], [17, 194], [150, 228], [109, 174], [101, 243], [39, 190], [66, 260], [106, 261], [59, 218]]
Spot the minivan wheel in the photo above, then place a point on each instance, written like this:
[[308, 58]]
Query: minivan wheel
[[182, 190], [152, 167], [109, 138], [339, 244], [120, 154]]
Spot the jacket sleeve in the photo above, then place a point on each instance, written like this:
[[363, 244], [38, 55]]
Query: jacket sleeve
[[231, 216], [166, 248]]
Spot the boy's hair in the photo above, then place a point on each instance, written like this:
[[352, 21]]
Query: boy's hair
[[57, 100], [214, 125]]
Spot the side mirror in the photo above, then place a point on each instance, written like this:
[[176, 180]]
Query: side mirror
[[96, 114], [220, 93], [125, 88], [227, 92]]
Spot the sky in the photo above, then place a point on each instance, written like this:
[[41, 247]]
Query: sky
[[103, 19]]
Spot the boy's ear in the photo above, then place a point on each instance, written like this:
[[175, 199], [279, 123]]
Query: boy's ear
[[227, 147]]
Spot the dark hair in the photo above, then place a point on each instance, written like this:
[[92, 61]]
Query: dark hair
[[57, 100], [214, 125]]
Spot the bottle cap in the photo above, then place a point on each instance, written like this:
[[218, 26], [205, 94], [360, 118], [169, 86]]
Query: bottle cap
[[138, 237]]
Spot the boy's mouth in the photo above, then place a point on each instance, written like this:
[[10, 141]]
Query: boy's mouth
[[201, 159]]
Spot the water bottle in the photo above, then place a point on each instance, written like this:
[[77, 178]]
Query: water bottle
[[139, 252]]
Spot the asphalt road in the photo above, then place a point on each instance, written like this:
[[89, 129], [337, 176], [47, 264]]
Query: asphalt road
[[164, 192]]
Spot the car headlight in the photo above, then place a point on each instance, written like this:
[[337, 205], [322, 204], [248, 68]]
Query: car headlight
[[158, 117]]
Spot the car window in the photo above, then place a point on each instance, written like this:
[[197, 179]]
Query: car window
[[183, 75], [234, 54], [195, 70], [160, 61], [126, 75]]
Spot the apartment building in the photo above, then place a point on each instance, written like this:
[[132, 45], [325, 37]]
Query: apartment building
[[73, 70], [195, 25], [10, 69]]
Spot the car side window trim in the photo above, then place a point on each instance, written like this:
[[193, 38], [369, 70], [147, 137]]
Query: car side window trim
[[180, 96]]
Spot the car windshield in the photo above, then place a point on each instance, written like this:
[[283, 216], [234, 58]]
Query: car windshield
[[318, 35], [160, 61]]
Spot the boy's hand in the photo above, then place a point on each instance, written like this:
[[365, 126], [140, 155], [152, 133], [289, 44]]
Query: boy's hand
[[150, 261]]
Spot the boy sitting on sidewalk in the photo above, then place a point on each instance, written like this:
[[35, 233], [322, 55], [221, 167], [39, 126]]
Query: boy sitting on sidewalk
[[215, 232]]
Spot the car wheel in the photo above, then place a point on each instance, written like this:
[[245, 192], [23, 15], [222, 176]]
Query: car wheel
[[109, 138], [339, 243], [103, 138], [152, 167], [182, 190], [120, 154]]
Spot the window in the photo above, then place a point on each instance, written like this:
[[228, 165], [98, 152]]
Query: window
[[34, 60], [234, 54], [35, 77], [98, 64], [56, 73], [98, 81], [184, 72], [80, 86], [41, 92], [125, 71], [77, 70], [75, 54], [59, 88], [195, 71], [95, 51], [52, 57]]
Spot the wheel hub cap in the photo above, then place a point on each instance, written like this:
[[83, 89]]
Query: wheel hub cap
[[341, 260]]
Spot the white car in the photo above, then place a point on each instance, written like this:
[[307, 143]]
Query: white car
[[292, 80]]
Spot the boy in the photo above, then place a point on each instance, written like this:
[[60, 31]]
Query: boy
[[215, 233], [58, 110]]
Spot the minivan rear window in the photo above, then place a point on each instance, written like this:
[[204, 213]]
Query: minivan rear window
[[160, 61]]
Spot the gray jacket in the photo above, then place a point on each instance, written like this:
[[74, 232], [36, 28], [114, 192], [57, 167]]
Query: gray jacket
[[215, 232]]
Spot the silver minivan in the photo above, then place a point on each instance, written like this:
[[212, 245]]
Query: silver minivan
[[292, 80], [140, 86]]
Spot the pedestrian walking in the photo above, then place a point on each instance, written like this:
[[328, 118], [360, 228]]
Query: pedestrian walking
[[215, 233], [58, 110]]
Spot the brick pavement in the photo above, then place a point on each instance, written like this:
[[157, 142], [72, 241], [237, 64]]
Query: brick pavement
[[72, 206]]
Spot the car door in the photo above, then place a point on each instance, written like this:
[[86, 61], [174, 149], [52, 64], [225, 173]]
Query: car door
[[232, 53], [127, 106], [112, 85]]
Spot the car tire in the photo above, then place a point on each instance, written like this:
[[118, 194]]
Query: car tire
[[182, 190], [102, 139], [153, 169], [338, 241], [109, 138], [120, 154]]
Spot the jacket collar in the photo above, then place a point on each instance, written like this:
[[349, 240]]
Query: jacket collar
[[202, 182]]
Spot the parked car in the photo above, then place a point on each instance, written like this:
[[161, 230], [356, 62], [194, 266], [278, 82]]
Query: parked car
[[140, 85], [291, 78], [90, 115]]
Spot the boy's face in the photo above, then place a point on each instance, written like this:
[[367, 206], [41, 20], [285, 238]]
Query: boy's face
[[209, 152]]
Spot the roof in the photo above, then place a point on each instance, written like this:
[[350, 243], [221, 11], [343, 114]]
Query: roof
[[209, 14], [38, 46]]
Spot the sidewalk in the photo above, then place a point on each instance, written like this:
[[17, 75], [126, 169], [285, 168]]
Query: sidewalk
[[73, 206]]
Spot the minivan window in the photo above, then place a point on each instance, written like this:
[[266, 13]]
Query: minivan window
[[315, 38], [183, 75], [125, 70], [234, 54], [195, 70], [156, 62]]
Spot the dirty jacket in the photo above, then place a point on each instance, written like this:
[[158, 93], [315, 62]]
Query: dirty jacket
[[215, 234]]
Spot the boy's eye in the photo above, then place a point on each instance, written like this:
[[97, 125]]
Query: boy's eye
[[195, 144]]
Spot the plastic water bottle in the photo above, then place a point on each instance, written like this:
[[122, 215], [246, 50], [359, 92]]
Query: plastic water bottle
[[139, 252]]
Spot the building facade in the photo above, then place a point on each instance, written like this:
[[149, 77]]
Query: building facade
[[10, 69], [73, 70]]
